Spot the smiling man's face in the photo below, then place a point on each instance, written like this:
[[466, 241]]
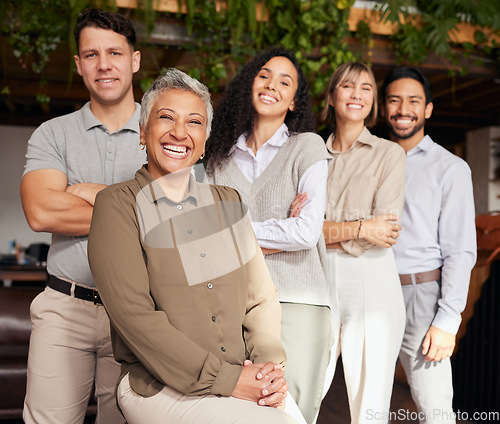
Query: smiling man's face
[[405, 110], [106, 63]]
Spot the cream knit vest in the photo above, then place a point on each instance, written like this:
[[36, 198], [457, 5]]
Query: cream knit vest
[[299, 275]]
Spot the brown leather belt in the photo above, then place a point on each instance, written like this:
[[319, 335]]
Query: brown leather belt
[[421, 277], [80, 292]]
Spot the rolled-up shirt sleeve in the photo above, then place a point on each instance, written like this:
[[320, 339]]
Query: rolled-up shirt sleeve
[[388, 197]]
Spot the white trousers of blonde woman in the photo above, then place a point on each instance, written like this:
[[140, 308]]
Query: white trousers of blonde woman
[[171, 407], [368, 321]]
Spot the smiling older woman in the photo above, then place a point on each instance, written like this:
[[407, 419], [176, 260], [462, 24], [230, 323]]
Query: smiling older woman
[[194, 315]]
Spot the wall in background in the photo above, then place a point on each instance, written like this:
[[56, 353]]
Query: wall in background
[[13, 225]]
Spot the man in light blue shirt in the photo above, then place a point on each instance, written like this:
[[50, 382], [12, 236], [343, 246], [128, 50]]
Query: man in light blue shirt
[[436, 250], [69, 160]]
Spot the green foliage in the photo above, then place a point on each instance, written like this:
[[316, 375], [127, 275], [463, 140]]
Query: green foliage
[[425, 26], [33, 35], [223, 40], [316, 31], [35, 28]]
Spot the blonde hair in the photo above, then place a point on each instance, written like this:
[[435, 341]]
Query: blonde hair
[[349, 72]]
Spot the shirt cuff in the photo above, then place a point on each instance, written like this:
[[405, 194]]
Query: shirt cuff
[[226, 380], [447, 323]]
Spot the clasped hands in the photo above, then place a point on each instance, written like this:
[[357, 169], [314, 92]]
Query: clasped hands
[[263, 383], [381, 230]]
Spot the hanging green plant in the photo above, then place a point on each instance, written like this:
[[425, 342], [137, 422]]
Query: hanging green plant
[[223, 40], [425, 26], [35, 28], [224, 35]]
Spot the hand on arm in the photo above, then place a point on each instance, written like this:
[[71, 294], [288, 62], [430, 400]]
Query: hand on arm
[[262, 383], [49, 207], [295, 208], [298, 204], [302, 228], [381, 231], [269, 251], [86, 191], [438, 344]]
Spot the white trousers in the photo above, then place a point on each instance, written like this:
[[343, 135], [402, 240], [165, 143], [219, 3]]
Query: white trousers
[[368, 320], [430, 382], [171, 407]]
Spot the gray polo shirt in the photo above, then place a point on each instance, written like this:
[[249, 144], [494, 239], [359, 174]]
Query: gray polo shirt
[[81, 147]]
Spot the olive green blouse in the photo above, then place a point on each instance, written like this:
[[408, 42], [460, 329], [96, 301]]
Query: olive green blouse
[[185, 286]]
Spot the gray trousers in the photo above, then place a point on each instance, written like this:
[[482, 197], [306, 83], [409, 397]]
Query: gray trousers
[[430, 382]]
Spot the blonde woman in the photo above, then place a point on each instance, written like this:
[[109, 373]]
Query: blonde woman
[[365, 194]]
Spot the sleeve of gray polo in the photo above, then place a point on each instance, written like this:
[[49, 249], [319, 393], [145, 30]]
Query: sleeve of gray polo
[[46, 148]]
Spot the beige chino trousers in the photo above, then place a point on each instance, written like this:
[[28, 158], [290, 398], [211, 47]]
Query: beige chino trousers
[[170, 406], [70, 349]]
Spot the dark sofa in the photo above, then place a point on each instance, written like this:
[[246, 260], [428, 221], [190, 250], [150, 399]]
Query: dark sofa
[[15, 328]]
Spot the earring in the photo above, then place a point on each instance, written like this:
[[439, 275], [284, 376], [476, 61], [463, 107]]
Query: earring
[[142, 146], [202, 156]]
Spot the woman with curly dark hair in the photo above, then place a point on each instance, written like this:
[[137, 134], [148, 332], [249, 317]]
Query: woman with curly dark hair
[[260, 146]]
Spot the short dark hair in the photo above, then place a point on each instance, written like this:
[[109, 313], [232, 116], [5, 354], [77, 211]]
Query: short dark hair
[[97, 18], [407, 72]]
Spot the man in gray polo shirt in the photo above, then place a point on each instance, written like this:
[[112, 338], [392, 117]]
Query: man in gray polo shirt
[[69, 160]]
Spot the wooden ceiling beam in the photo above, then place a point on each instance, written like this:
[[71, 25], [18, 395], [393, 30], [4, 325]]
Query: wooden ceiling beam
[[454, 88]]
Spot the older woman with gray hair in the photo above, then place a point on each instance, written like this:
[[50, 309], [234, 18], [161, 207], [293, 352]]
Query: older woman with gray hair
[[194, 314]]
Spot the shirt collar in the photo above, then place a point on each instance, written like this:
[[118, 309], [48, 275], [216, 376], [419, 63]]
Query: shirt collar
[[277, 140], [364, 138], [423, 146], [90, 121], [153, 192]]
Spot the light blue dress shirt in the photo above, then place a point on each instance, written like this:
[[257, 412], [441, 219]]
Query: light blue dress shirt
[[438, 223]]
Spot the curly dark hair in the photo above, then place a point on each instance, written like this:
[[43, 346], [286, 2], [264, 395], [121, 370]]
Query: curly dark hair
[[235, 114]]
